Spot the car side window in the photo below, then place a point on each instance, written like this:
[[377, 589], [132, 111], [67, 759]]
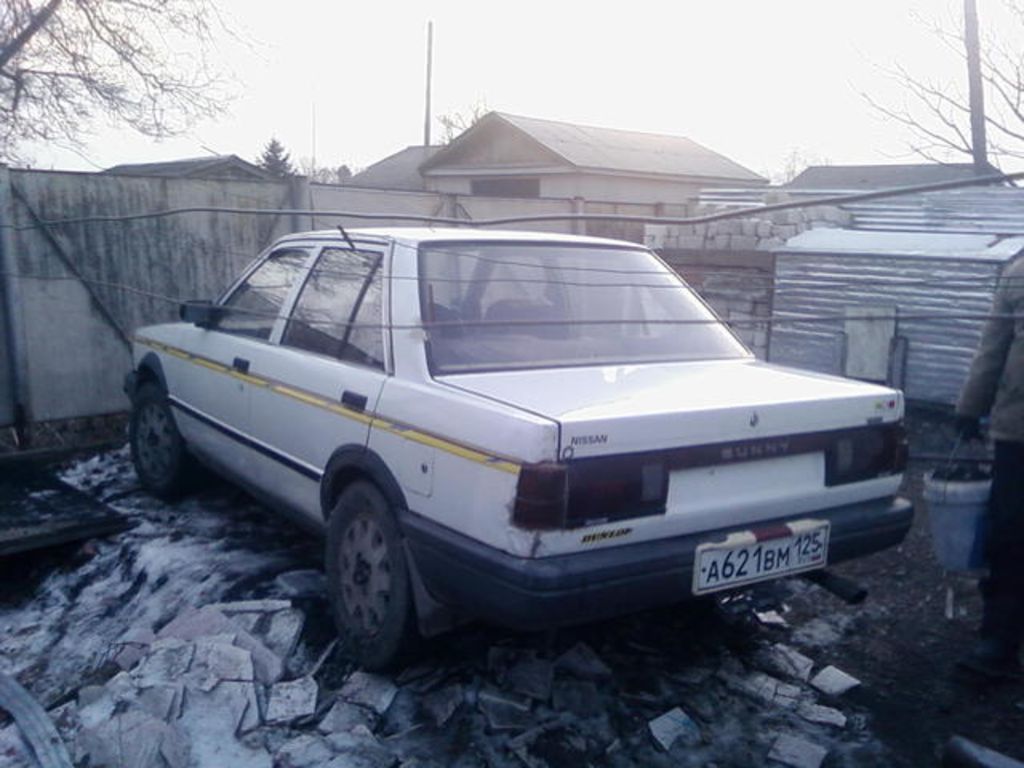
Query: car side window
[[338, 312], [253, 306]]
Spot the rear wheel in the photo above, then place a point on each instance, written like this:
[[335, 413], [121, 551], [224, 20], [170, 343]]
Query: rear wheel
[[163, 465], [370, 595]]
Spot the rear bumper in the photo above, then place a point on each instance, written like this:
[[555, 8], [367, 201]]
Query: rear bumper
[[539, 593]]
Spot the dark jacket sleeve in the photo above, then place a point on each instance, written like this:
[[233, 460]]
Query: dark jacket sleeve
[[979, 391]]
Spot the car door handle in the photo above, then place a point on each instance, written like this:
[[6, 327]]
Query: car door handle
[[240, 364], [353, 400]]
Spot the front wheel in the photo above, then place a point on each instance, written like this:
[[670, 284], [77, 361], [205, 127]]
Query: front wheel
[[162, 463], [368, 579]]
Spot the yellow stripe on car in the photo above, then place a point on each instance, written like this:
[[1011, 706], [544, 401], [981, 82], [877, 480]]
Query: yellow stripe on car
[[392, 427]]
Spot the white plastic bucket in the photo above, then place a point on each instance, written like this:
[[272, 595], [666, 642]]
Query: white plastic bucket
[[958, 515]]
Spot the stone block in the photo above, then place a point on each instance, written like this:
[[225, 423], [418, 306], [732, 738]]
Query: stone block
[[290, 701], [743, 242], [369, 690], [442, 703], [531, 677], [168, 660], [786, 661], [581, 661], [216, 660], [344, 716], [796, 752], [133, 739], [580, 697], [306, 751], [833, 681], [816, 713], [283, 630], [302, 583], [675, 725], [505, 712]]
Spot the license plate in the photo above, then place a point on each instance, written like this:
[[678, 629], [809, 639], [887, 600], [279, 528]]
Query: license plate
[[746, 557]]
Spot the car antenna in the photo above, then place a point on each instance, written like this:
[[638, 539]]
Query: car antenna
[[347, 238]]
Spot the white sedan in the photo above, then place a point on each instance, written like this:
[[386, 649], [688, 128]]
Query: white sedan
[[532, 429]]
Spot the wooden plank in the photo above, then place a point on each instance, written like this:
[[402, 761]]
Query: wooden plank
[[25, 537]]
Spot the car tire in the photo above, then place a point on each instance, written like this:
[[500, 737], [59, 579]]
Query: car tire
[[368, 578], [162, 462]]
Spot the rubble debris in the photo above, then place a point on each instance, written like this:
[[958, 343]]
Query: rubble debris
[[505, 712], [833, 681], [208, 621], [344, 716], [691, 675], [771, 618], [216, 659], [673, 726], [580, 697], [359, 749], [796, 752], [306, 751], [301, 584], [132, 646], [531, 677], [133, 739], [373, 691], [441, 704], [816, 713], [35, 726], [784, 660], [581, 661], [289, 701], [763, 688], [284, 628]]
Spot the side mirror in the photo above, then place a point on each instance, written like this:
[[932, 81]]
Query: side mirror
[[200, 313]]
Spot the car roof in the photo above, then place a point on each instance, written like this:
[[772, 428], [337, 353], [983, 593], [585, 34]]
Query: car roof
[[414, 236]]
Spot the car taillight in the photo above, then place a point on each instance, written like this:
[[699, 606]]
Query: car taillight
[[866, 453], [541, 497], [616, 487]]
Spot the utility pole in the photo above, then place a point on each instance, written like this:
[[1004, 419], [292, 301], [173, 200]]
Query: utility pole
[[979, 144], [430, 66]]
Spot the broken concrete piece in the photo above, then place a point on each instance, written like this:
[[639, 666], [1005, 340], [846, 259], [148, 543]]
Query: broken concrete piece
[[162, 701], [816, 713], [787, 661], [213, 720], [283, 631], [305, 751], [796, 752], [306, 583], [674, 725], [581, 661], [771, 618], [373, 691], [344, 716], [359, 750], [505, 712], [209, 621], [833, 681], [133, 739], [763, 688], [216, 659], [167, 660], [441, 704], [290, 701], [580, 697], [531, 677]]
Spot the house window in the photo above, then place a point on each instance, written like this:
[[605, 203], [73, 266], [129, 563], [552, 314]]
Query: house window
[[506, 187]]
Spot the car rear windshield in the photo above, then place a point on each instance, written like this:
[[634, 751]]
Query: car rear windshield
[[502, 306]]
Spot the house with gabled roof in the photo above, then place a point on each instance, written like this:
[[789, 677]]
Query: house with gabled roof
[[505, 155]]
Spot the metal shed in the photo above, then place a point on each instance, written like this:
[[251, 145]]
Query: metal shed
[[888, 296]]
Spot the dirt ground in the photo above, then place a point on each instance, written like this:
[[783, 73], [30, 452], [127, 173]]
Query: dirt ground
[[901, 644]]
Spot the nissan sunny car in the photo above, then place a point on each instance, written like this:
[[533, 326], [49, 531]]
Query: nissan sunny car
[[531, 429]]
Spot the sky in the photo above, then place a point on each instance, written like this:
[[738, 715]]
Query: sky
[[753, 80]]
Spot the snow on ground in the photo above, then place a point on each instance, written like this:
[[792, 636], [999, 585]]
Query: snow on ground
[[477, 697]]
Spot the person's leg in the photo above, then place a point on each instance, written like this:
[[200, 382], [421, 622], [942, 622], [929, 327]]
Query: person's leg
[[1002, 590]]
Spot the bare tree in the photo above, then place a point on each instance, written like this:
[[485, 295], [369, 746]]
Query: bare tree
[[144, 63], [938, 111], [455, 123]]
